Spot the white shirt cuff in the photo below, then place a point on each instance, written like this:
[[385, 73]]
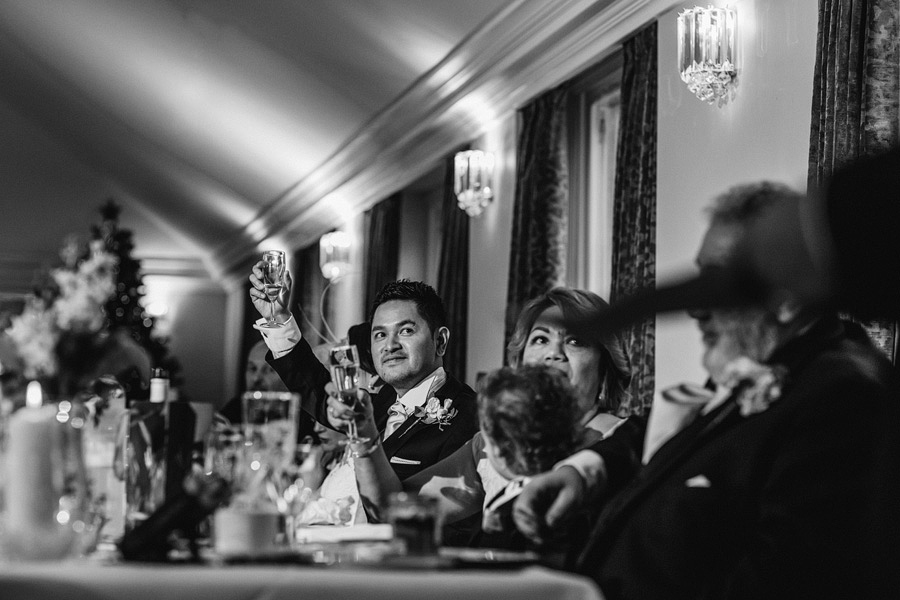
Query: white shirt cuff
[[589, 465], [280, 340]]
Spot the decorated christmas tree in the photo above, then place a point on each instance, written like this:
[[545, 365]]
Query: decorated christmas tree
[[124, 310]]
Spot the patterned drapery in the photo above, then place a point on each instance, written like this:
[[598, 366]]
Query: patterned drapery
[[453, 274], [382, 252], [856, 100], [634, 210], [537, 259]]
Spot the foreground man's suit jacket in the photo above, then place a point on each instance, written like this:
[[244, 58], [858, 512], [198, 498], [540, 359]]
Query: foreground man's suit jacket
[[414, 445], [797, 501]]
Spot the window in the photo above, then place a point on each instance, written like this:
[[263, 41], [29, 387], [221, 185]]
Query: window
[[593, 137]]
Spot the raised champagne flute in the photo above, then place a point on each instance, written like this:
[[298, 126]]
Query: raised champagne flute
[[273, 281], [345, 375]]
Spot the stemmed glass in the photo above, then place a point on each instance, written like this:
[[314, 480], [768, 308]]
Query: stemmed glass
[[273, 281], [345, 375]]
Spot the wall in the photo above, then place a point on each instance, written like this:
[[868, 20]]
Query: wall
[[194, 323], [762, 133], [490, 236]]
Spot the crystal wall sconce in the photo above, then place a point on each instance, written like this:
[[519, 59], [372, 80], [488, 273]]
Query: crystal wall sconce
[[706, 52]]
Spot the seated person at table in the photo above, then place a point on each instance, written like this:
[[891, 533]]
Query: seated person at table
[[258, 375], [598, 373], [530, 419], [766, 493], [409, 338]]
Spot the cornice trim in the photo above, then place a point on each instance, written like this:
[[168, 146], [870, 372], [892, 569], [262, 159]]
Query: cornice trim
[[526, 48]]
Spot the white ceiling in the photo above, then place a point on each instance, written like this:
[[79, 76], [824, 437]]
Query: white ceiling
[[195, 115], [221, 125]]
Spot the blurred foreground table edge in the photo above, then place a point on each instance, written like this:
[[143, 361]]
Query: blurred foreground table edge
[[80, 581]]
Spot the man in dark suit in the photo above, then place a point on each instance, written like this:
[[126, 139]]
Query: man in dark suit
[[780, 484], [409, 339]]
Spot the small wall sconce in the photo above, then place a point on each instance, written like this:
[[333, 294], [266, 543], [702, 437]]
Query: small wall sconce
[[706, 51], [334, 254], [473, 180]]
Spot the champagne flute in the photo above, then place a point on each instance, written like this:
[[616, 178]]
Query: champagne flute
[[345, 375], [273, 281]]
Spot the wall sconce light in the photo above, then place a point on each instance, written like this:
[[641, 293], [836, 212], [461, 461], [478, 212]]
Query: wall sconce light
[[334, 254], [706, 52], [473, 176]]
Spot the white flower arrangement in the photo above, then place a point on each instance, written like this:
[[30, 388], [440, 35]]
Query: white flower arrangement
[[82, 288], [758, 385]]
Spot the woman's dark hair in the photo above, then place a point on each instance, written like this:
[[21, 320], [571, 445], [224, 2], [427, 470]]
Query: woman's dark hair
[[427, 301], [578, 306], [531, 415], [360, 335]]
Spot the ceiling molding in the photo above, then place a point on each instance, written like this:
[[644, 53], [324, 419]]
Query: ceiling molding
[[526, 48]]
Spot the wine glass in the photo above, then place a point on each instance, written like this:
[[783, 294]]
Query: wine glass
[[345, 375], [273, 281]]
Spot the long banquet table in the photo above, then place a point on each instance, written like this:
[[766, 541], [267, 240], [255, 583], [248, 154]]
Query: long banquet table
[[85, 581]]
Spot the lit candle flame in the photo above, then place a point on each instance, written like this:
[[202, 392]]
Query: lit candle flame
[[34, 396]]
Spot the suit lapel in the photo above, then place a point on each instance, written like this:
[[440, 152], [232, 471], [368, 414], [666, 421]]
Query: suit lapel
[[412, 424]]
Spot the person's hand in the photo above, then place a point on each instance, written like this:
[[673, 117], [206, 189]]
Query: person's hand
[[547, 502], [261, 301], [340, 413]]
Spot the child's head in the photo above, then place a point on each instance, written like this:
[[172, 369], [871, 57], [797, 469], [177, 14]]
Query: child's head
[[529, 417]]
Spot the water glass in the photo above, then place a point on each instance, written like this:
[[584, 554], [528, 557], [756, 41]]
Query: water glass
[[414, 519], [270, 425]]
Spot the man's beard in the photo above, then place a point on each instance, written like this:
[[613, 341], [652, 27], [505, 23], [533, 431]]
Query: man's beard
[[748, 333]]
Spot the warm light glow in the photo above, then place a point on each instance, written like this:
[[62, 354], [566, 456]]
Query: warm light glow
[[706, 52], [334, 254], [34, 396], [473, 180], [157, 308]]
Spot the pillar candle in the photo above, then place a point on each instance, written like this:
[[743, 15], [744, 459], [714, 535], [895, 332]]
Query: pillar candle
[[33, 469]]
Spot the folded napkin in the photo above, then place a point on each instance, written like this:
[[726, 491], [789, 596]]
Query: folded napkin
[[323, 511]]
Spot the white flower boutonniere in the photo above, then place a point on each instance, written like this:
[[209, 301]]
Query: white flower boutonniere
[[435, 411], [758, 385]]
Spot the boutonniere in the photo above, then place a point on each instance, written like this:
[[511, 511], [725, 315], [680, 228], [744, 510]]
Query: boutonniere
[[435, 411], [757, 385]]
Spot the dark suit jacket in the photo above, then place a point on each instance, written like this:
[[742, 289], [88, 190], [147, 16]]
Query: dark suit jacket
[[414, 445], [797, 501]]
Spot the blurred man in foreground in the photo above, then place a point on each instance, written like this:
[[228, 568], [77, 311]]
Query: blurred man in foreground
[[777, 484]]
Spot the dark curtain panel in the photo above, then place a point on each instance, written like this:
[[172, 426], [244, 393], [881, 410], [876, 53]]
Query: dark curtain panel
[[311, 302], [537, 260], [634, 210], [382, 251], [856, 100], [453, 274]]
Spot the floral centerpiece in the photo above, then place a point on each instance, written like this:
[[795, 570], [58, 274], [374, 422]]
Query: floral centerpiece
[[85, 318], [58, 329]]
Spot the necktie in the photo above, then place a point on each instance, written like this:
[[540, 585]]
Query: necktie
[[396, 415]]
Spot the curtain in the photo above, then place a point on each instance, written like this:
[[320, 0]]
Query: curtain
[[537, 259], [856, 100], [634, 208], [382, 251], [312, 305], [453, 274]]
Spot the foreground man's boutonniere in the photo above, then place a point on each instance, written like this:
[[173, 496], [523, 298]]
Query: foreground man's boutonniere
[[760, 385], [436, 412]]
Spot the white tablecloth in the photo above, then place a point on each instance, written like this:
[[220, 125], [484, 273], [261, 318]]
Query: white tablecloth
[[78, 581]]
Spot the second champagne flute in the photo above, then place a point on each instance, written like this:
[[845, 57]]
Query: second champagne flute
[[345, 375], [273, 280]]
